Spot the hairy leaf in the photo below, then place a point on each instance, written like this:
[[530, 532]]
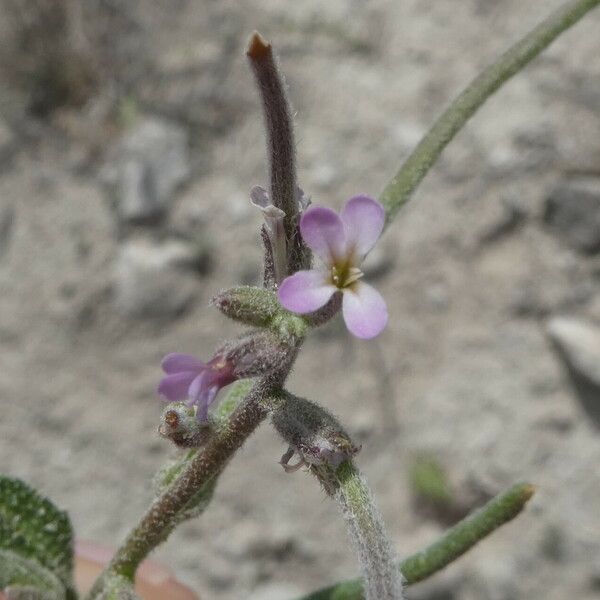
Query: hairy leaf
[[26, 578], [33, 528]]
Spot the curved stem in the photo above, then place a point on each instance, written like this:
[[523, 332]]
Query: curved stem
[[399, 190], [455, 542], [164, 514], [382, 579]]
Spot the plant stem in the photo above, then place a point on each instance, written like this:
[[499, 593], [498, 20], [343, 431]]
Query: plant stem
[[164, 513], [382, 580], [280, 145], [455, 542], [399, 190]]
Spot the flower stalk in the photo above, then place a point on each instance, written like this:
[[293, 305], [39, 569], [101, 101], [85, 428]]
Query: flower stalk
[[400, 189], [381, 577]]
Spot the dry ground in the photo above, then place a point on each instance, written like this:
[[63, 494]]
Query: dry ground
[[464, 372]]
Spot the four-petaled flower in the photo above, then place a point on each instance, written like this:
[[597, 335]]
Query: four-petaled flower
[[193, 381], [341, 242]]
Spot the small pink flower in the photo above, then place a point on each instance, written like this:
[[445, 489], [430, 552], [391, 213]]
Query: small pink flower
[[189, 379], [341, 242]]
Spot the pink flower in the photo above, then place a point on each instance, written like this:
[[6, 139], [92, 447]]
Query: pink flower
[[193, 381], [341, 242]]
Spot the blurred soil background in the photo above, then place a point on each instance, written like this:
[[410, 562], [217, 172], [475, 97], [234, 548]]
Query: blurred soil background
[[130, 136]]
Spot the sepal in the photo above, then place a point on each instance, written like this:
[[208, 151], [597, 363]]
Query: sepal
[[249, 305]]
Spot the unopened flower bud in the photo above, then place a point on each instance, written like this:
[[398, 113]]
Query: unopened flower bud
[[312, 433], [179, 424], [249, 305]]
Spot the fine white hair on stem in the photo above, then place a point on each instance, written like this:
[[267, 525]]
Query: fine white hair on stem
[[383, 580]]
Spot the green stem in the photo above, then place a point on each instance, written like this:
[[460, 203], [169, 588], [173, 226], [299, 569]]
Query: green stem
[[399, 190], [165, 513], [452, 545], [365, 525]]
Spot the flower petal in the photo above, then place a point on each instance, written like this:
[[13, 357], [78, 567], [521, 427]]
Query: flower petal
[[202, 392], [176, 363], [305, 291], [205, 400], [363, 218], [324, 233], [175, 387], [197, 388], [364, 310]]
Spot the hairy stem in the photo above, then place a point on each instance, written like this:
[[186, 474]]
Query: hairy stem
[[455, 542], [280, 144], [382, 580], [164, 513], [399, 190]]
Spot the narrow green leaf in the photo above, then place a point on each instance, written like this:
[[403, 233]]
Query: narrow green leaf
[[401, 187], [453, 544]]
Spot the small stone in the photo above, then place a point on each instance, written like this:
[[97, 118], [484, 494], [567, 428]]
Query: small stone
[[145, 168], [573, 211], [579, 346], [150, 278]]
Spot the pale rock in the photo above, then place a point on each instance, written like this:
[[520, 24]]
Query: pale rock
[[151, 278], [145, 168], [579, 345]]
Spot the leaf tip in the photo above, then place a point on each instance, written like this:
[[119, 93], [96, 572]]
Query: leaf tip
[[528, 491]]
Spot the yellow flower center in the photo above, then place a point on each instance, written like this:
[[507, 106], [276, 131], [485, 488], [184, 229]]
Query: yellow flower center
[[345, 275]]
